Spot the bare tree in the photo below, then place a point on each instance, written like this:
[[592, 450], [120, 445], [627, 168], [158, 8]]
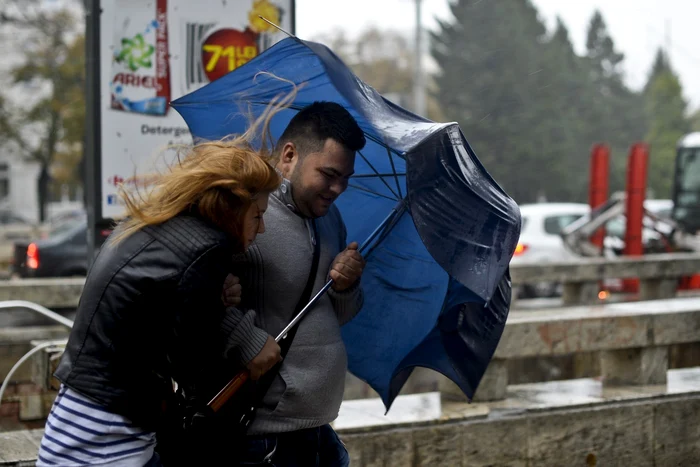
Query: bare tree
[[45, 123]]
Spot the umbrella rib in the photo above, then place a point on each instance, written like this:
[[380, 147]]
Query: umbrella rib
[[377, 172], [372, 192], [389, 225], [393, 169]]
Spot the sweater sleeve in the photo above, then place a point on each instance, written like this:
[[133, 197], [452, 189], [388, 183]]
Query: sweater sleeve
[[348, 303], [243, 339]]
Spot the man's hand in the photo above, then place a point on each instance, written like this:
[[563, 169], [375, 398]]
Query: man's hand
[[265, 360], [231, 295], [347, 268]]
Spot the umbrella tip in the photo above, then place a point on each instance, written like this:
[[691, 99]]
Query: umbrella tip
[[275, 26]]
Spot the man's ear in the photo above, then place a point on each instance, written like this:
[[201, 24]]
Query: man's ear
[[289, 157], [289, 153]]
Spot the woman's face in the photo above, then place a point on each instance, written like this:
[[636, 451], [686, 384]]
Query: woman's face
[[253, 223]]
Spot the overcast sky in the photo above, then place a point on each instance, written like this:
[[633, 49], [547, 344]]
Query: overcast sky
[[638, 27]]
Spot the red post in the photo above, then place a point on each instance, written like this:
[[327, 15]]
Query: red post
[[634, 210], [599, 185]]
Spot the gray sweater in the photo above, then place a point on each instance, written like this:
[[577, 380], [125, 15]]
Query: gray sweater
[[309, 388]]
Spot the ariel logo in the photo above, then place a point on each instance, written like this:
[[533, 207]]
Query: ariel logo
[[136, 53]]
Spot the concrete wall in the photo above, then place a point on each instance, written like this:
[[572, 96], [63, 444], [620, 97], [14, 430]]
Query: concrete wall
[[654, 432]]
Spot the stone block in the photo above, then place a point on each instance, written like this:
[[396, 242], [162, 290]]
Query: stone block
[[449, 391], [634, 366], [398, 449], [51, 293], [9, 409], [656, 289], [355, 445], [12, 352], [438, 445], [502, 443], [676, 328], [31, 407], [18, 447], [568, 333], [421, 380], [580, 293], [387, 449], [677, 432], [27, 389], [494, 384], [613, 435]]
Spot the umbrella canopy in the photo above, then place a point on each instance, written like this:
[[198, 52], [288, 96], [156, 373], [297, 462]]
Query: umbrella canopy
[[437, 289]]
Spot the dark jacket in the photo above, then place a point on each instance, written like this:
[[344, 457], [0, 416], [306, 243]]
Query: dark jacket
[[150, 311]]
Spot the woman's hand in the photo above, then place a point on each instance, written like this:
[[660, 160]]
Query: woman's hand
[[231, 294]]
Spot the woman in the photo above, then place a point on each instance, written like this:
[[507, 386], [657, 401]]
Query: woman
[[152, 312]]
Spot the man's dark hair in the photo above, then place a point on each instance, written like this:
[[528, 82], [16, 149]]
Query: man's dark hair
[[313, 125]]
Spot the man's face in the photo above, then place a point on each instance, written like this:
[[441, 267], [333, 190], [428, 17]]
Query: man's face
[[318, 178]]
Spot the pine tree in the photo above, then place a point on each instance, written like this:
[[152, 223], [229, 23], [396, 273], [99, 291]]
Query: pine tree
[[665, 108]]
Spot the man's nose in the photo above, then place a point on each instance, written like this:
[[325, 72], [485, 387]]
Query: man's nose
[[339, 187]]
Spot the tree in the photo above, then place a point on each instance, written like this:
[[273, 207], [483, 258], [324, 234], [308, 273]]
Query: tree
[[695, 121], [606, 62], [666, 110], [514, 90], [615, 114], [70, 149], [49, 127], [660, 66], [568, 127]]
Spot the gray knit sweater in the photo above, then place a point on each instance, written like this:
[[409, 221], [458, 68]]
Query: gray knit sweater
[[309, 388]]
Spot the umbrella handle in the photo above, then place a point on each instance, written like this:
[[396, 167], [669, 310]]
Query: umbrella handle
[[229, 390]]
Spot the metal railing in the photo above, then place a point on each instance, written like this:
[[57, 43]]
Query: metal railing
[[35, 307]]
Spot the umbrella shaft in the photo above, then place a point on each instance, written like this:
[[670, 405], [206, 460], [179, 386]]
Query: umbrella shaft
[[328, 285], [301, 314]]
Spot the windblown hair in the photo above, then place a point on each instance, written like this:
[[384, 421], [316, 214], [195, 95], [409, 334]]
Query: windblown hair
[[218, 180]]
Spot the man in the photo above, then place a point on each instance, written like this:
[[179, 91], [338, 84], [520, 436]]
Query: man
[[316, 157]]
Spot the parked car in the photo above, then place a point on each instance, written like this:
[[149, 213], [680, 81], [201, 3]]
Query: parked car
[[63, 253], [57, 221], [540, 239], [13, 228]]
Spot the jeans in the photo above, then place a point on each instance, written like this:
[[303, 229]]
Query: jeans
[[315, 447]]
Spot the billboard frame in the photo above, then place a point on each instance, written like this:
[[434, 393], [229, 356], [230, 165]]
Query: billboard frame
[[98, 225]]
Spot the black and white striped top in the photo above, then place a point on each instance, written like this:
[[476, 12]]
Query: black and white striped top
[[81, 432]]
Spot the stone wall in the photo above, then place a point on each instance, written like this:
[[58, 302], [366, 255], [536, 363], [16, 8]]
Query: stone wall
[[653, 432]]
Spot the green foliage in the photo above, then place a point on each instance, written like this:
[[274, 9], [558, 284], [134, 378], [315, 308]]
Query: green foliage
[[666, 110], [530, 107]]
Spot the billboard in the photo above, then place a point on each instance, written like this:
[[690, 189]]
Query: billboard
[[142, 54]]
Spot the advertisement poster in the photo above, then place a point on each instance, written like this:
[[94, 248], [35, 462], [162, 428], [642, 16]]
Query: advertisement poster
[[154, 51]]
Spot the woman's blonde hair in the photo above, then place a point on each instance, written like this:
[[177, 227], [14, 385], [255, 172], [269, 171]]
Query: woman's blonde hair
[[218, 180]]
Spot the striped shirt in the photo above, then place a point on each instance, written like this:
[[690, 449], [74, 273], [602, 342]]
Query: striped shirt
[[81, 432]]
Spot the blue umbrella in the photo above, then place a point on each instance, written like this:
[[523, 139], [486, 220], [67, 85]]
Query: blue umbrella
[[437, 288]]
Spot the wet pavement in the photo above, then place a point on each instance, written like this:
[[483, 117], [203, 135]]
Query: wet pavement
[[420, 408]]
